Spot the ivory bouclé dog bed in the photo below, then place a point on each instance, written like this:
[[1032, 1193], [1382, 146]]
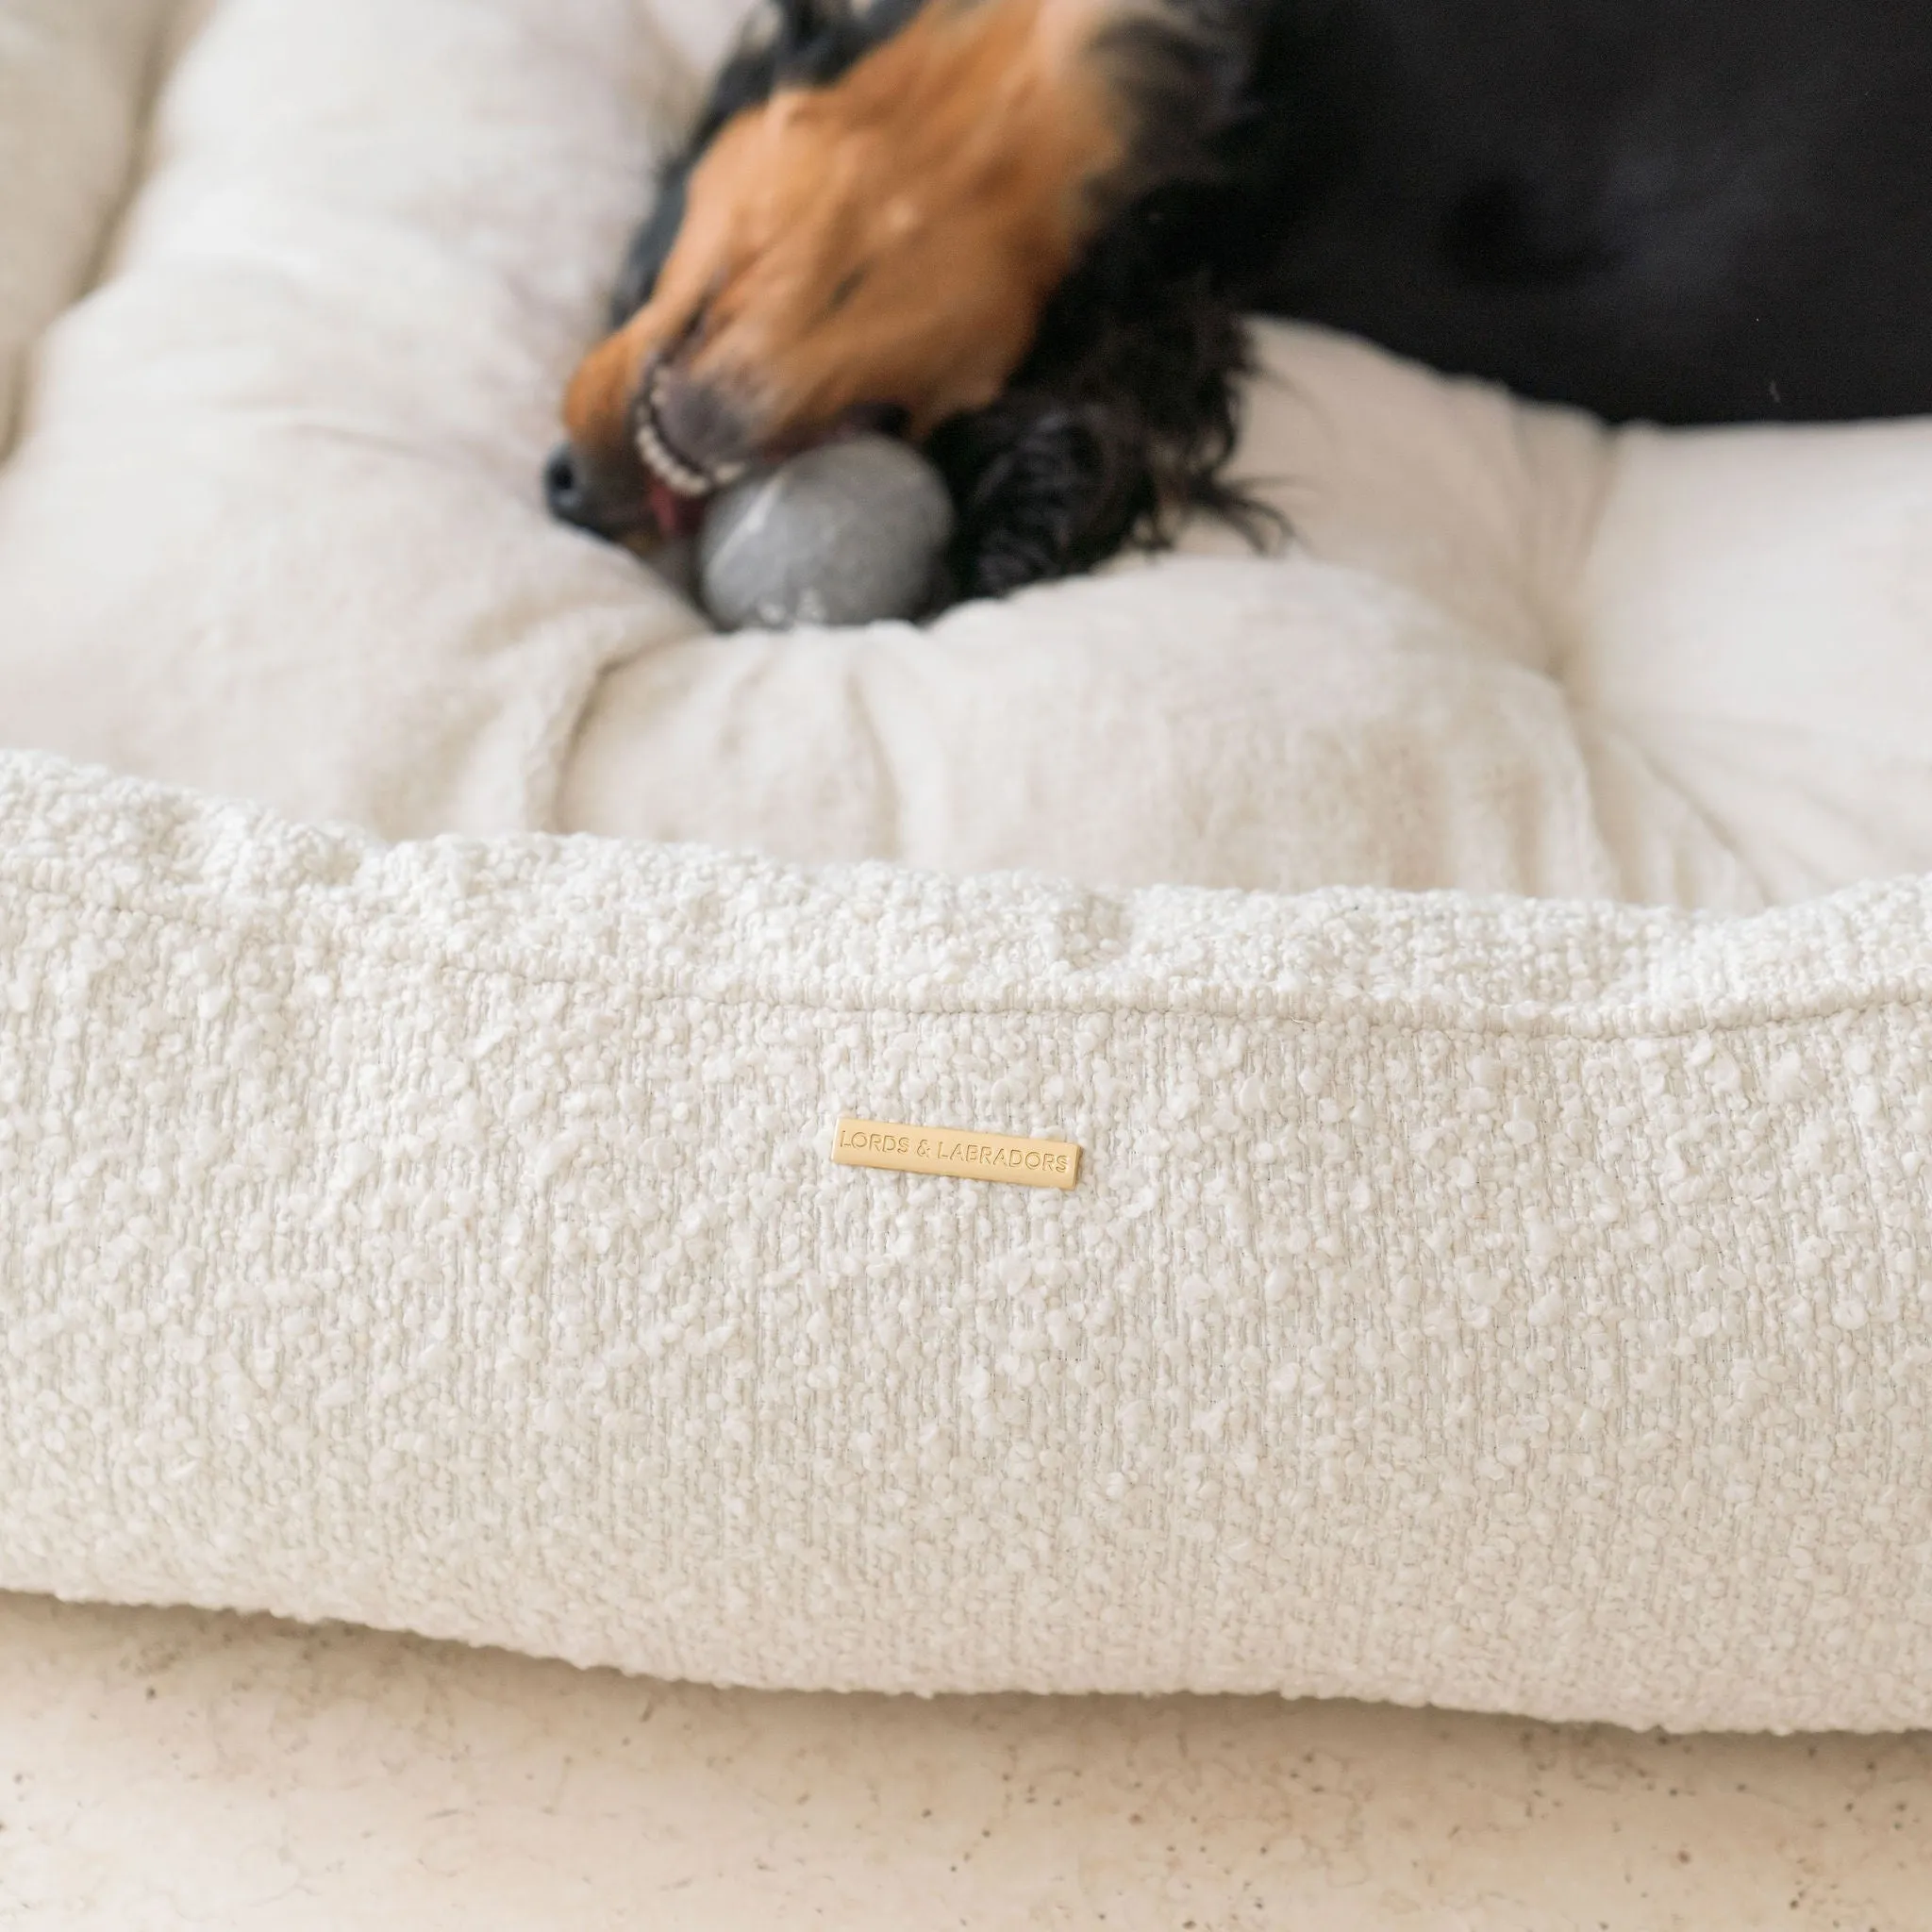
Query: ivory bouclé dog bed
[[1483, 954]]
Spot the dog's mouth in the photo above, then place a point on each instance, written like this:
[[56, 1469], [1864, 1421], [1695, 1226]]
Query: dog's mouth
[[679, 485]]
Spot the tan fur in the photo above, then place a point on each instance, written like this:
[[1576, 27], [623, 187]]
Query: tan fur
[[890, 240]]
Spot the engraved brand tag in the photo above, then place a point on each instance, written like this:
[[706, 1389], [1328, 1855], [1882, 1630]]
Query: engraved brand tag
[[956, 1155]]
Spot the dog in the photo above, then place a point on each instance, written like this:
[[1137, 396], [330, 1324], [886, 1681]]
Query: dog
[[1025, 235]]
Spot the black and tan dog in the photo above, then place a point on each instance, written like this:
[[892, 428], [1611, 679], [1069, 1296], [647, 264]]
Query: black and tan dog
[[1023, 232]]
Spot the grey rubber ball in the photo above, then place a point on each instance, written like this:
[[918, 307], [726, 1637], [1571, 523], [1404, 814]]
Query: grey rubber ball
[[849, 533]]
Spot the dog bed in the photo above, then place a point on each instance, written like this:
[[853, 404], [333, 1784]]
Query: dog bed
[[1482, 953]]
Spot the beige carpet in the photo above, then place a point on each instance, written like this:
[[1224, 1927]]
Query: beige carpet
[[169, 1770]]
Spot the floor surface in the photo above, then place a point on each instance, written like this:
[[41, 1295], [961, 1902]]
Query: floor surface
[[160, 1771]]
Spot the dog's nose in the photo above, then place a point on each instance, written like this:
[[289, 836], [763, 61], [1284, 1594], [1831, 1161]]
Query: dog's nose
[[564, 489]]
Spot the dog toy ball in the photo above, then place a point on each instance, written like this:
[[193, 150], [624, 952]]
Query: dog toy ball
[[848, 533]]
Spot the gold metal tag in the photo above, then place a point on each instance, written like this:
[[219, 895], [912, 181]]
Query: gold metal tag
[[956, 1155]]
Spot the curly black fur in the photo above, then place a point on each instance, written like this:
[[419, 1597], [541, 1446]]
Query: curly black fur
[[1120, 420]]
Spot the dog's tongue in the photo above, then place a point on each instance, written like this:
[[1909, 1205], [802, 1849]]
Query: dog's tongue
[[677, 516]]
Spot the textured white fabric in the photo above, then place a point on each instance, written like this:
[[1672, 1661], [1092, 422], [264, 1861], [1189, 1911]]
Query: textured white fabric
[[1501, 1304]]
